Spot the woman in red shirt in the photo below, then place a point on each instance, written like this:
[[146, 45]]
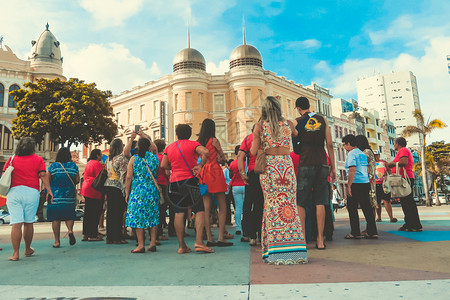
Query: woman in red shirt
[[238, 192], [23, 197], [405, 162], [92, 198]]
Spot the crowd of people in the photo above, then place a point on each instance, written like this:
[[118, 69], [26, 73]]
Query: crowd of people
[[281, 186]]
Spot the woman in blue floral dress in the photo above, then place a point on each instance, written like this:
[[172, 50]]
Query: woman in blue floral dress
[[64, 177], [142, 195]]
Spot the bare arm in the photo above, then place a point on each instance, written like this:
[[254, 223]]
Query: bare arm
[[127, 149], [77, 178], [204, 154], [293, 124], [256, 139], [403, 162], [241, 166], [351, 178], [330, 150], [165, 164], [216, 144], [129, 178], [45, 177]]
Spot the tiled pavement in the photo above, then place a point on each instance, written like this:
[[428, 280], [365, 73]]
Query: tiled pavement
[[398, 265]]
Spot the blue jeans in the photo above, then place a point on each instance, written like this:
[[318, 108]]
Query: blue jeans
[[238, 194]]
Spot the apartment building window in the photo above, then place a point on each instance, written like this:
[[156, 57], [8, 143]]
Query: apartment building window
[[340, 132], [155, 109], [129, 116], [248, 98], [379, 136], [142, 112], [221, 133], [238, 132], [336, 131], [368, 134], [219, 103], [345, 131], [200, 100], [377, 122], [380, 149], [156, 134], [188, 101], [177, 106]]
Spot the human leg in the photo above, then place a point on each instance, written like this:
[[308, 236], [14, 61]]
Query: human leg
[[320, 215], [207, 220], [258, 205], [140, 238], [305, 176], [247, 213], [221, 202], [352, 208], [16, 237], [362, 193], [388, 207], [28, 231], [179, 229], [56, 227], [238, 195], [321, 197]]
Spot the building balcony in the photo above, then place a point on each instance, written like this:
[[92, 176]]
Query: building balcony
[[372, 140], [370, 127]]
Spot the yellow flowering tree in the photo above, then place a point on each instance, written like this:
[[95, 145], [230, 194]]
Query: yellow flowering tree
[[71, 111]]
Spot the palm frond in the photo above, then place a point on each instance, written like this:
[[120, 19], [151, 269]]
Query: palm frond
[[410, 130], [419, 116], [436, 123]]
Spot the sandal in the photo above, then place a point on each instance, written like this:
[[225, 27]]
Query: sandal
[[371, 237], [29, 253], [184, 250], [203, 248], [228, 236], [378, 220], [394, 220], [96, 239], [352, 237], [72, 239]]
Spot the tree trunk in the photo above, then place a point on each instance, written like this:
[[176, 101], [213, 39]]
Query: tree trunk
[[438, 203], [424, 176]]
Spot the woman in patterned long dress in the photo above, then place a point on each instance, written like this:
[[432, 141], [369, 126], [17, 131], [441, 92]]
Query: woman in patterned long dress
[[63, 178], [142, 195], [363, 144], [282, 236]]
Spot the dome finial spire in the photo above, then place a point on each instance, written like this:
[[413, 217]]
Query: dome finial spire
[[189, 35], [46, 26], [243, 29]]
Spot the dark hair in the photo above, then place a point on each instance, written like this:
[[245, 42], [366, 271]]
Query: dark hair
[[160, 144], [230, 161], [183, 131], [26, 146], [350, 139], [236, 149], [362, 143], [94, 154], [63, 155], [207, 131], [143, 146], [115, 148], [302, 102], [401, 141]]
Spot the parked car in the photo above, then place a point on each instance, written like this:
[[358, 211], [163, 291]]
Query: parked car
[[442, 198], [4, 217]]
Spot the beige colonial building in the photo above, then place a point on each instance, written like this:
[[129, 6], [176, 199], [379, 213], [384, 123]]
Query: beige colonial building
[[45, 62], [190, 94]]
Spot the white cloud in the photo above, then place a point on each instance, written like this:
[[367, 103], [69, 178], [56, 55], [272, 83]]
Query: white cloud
[[111, 66], [306, 44], [220, 69], [430, 69], [111, 12]]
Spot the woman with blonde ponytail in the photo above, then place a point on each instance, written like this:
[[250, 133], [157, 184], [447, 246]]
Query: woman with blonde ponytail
[[282, 237]]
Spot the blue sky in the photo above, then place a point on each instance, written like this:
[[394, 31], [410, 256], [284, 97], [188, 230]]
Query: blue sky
[[120, 44]]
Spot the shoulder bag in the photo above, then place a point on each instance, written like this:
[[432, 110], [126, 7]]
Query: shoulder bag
[[5, 180], [161, 196], [203, 187], [398, 186], [99, 181]]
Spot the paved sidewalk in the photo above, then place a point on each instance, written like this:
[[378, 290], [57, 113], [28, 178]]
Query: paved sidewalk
[[398, 265]]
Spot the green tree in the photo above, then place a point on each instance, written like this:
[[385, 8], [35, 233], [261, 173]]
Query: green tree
[[423, 130], [71, 111]]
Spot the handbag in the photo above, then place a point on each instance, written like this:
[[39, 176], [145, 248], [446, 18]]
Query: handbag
[[203, 187], [161, 196], [398, 186], [99, 181], [5, 180], [261, 162]]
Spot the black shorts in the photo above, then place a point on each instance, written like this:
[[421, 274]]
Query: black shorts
[[381, 195], [182, 197]]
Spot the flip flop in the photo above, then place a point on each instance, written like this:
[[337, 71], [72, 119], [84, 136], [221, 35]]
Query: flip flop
[[352, 237], [29, 253], [203, 249], [13, 259], [72, 239], [184, 250]]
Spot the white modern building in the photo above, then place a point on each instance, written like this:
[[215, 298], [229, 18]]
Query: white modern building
[[395, 96]]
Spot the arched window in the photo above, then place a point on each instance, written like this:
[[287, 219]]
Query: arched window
[[11, 102], [2, 94]]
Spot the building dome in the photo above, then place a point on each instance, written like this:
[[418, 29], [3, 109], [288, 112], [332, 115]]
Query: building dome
[[189, 58], [245, 55], [46, 49]]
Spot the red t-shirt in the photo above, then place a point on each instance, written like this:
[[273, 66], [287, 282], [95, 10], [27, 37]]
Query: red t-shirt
[[93, 168], [180, 170], [26, 170], [162, 178], [245, 146], [404, 152], [295, 160], [236, 179]]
